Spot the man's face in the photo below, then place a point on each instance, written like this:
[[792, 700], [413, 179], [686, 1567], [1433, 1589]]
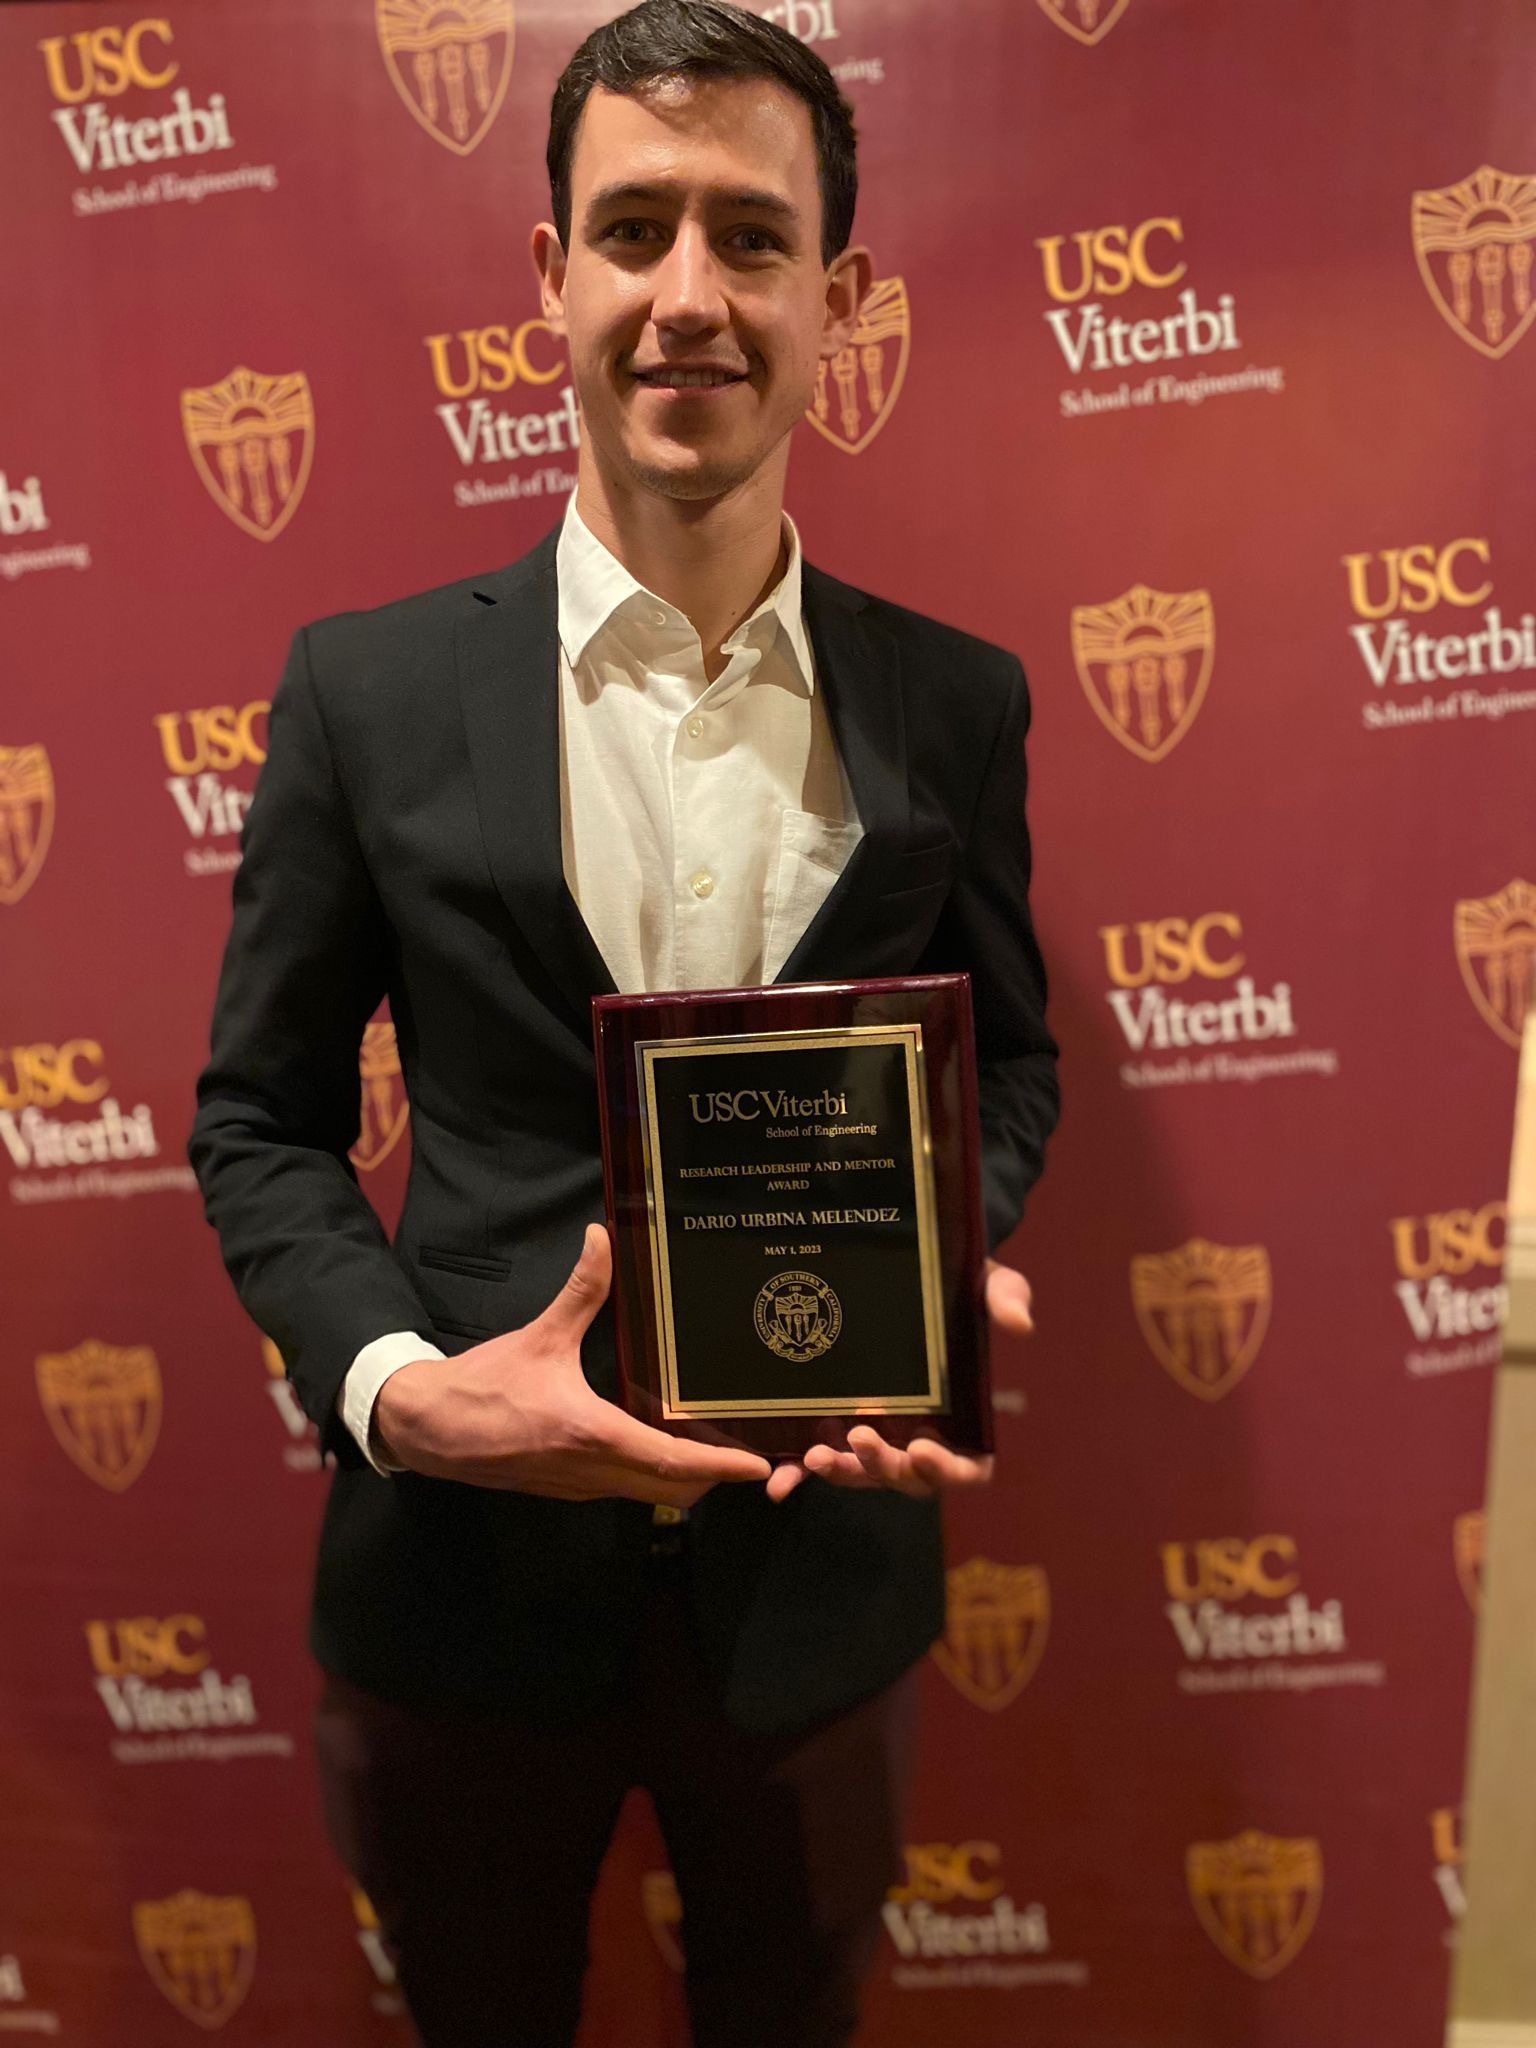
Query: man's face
[[695, 241]]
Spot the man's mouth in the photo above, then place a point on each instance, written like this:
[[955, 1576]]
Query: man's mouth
[[688, 380]]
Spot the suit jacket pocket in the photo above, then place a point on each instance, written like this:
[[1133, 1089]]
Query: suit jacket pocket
[[473, 1265]]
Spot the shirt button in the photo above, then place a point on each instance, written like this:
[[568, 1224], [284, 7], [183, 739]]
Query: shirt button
[[695, 727], [703, 883], [658, 618]]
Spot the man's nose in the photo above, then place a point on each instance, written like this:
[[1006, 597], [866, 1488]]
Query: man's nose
[[688, 286]]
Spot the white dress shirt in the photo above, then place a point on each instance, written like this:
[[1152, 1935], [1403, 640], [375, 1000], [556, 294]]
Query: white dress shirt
[[702, 824]]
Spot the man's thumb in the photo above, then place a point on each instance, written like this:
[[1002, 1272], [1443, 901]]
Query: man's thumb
[[587, 1288]]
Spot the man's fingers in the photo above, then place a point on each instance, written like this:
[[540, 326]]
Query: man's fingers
[[627, 1441], [584, 1292], [885, 1464], [784, 1479], [942, 1467], [1009, 1298]]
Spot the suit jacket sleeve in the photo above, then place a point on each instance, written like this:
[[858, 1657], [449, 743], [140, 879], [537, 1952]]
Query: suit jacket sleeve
[[279, 1101], [985, 929]]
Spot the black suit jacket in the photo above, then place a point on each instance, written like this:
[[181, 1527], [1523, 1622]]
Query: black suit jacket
[[404, 841]]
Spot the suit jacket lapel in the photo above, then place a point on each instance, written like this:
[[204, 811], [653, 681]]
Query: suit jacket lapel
[[507, 655], [858, 665]]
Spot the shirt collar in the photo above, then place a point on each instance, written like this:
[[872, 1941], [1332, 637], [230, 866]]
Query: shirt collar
[[593, 584]]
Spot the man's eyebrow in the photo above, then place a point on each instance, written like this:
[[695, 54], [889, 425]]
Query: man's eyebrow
[[748, 201]]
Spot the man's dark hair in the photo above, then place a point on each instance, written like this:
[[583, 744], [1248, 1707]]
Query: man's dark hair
[[707, 39]]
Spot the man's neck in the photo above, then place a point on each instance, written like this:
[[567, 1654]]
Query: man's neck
[[715, 559]]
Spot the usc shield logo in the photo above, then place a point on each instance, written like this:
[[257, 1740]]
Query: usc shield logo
[[1496, 946], [664, 1915], [103, 1405], [200, 1951], [857, 390], [1089, 21], [1474, 243], [1204, 1310], [26, 818], [1145, 661], [997, 1618], [1469, 1542], [1257, 1897], [450, 61], [252, 439], [385, 1110]]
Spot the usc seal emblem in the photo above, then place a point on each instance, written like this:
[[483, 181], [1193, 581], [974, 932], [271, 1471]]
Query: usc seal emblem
[[200, 1951], [1257, 1897], [1496, 946], [1086, 21], [1475, 244], [252, 439], [867, 375], [797, 1316], [26, 818]]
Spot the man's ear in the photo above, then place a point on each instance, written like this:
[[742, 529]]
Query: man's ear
[[849, 280], [549, 265]]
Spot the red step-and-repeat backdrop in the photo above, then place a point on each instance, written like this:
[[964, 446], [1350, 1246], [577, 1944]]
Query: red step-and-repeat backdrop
[[1199, 372]]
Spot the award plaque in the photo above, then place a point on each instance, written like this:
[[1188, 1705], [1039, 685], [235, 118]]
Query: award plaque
[[794, 1196]]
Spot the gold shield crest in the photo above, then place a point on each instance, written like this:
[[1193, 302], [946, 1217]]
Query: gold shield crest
[[664, 1915], [450, 61], [1257, 1897], [201, 1952], [1474, 244], [26, 818], [997, 1618], [1469, 1541], [1145, 661], [1496, 946], [103, 1404], [1089, 21], [856, 391], [252, 440], [385, 1111], [1204, 1310]]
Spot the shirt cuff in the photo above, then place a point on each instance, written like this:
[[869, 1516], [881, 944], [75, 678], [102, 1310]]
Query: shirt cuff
[[366, 1374]]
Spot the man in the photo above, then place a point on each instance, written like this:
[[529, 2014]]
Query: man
[[661, 750]]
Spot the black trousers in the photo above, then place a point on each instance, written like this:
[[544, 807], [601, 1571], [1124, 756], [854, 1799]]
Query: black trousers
[[479, 1843]]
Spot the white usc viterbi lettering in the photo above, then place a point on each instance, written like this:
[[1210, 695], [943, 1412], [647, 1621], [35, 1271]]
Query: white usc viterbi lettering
[[133, 1657], [1110, 261], [1444, 1261], [1203, 1577], [37, 1078], [21, 509]]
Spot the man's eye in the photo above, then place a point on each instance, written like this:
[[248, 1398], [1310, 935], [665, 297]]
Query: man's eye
[[617, 230]]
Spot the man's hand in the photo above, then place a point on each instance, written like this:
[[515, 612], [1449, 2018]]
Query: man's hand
[[515, 1412], [924, 1466]]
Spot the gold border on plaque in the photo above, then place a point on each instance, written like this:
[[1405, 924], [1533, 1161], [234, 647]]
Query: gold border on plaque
[[909, 1036]]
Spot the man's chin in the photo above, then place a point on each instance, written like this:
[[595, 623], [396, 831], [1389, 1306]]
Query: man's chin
[[691, 475]]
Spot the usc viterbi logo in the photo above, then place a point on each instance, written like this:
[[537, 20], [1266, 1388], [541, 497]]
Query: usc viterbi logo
[[252, 440], [475, 366], [1392, 588], [856, 393], [1148, 961], [385, 1111], [997, 1618], [1203, 1310], [1474, 244], [143, 1664], [71, 1075], [1144, 660], [1447, 1265], [1496, 946], [26, 818], [1469, 1547], [953, 1901], [201, 748], [1257, 1897], [1086, 21], [200, 1951], [102, 1402], [1237, 1603], [449, 63], [1445, 1838]]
